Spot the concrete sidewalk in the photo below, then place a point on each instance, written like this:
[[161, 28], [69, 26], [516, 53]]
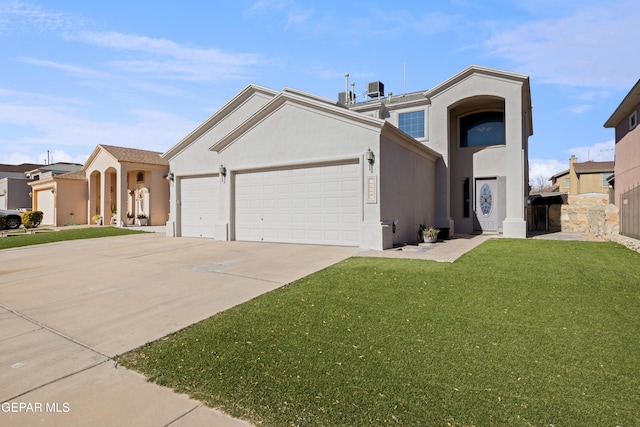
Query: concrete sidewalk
[[442, 251], [66, 308]]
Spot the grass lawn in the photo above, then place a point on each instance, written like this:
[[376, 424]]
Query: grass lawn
[[515, 333], [58, 236]]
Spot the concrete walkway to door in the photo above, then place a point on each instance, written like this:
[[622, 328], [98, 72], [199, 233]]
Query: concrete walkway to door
[[66, 308]]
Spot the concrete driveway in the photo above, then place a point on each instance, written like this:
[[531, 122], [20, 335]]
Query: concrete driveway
[[67, 308]]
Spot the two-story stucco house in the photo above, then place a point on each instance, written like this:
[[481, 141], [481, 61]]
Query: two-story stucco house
[[583, 177], [288, 166]]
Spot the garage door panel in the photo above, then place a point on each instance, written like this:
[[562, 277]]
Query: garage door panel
[[313, 205], [46, 205], [200, 200]]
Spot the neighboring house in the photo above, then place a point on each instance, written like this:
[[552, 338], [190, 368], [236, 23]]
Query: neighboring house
[[627, 170], [582, 178], [287, 166], [627, 134], [61, 198], [126, 180], [14, 188], [43, 187]]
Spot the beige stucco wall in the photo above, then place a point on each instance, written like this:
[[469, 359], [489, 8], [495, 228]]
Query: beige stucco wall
[[511, 163], [197, 158], [407, 190], [71, 202]]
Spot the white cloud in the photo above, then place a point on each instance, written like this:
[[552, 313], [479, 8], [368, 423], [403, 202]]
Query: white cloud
[[599, 152], [587, 48], [166, 59], [545, 168], [63, 129], [20, 17]]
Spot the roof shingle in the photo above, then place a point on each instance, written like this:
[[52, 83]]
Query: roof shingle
[[134, 155]]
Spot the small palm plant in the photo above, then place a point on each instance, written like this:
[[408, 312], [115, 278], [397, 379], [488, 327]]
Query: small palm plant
[[430, 234]]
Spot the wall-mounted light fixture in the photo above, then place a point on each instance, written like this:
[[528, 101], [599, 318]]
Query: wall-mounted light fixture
[[371, 158], [170, 176], [53, 191], [223, 172], [30, 194]]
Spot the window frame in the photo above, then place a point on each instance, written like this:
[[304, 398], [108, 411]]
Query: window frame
[[567, 183], [461, 128], [423, 123], [633, 120]]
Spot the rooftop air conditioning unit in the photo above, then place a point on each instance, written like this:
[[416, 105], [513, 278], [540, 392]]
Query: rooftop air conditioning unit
[[375, 89], [342, 98]]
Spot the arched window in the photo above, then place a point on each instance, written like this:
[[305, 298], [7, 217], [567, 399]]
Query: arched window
[[480, 129], [140, 177]]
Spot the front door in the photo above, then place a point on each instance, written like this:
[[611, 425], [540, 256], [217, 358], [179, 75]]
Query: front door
[[487, 204]]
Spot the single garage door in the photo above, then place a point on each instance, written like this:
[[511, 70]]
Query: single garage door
[[199, 207], [317, 205], [45, 204]]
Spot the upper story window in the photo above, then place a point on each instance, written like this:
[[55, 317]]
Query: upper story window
[[605, 177], [412, 123], [567, 182], [140, 177], [633, 120], [480, 129]]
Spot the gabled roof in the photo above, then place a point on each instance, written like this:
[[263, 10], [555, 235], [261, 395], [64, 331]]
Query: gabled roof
[[216, 117], [559, 174], [128, 155], [626, 107], [593, 167], [322, 105], [475, 69], [490, 72]]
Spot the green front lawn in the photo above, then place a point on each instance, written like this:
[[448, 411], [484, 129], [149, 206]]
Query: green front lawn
[[515, 333], [43, 236]]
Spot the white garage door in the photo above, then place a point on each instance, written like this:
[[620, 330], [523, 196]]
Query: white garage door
[[45, 204], [199, 206], [318, 205]]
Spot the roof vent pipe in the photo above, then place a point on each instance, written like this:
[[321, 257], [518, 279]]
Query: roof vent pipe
[[346, 88]]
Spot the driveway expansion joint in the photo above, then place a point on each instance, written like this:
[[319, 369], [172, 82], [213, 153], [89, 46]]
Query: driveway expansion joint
[[54, 331]]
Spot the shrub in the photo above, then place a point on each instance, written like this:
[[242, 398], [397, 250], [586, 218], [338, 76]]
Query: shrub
[[32, 219], [3, 222]]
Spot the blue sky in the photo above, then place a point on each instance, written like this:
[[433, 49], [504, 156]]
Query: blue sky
[[74, 74]]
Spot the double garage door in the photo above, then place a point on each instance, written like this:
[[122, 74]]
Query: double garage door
[[319, 205], [316, 205]]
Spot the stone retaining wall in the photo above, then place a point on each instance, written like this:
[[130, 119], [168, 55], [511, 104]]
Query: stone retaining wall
[[593, 214]]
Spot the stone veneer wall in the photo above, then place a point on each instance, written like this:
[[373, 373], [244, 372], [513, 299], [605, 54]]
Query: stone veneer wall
[[593, 214]]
